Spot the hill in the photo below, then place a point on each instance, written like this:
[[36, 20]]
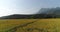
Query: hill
[[42, 13], [19, 16]]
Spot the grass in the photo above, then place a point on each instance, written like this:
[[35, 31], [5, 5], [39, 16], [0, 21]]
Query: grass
[[30, 25]]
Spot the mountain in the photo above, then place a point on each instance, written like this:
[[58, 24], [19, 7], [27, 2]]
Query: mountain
[[19, 16], [16, 16], [42, 13], [49, 11], [55, 12]]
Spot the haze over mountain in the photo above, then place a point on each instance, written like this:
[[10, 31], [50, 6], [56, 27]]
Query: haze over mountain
[[42, 13], [49, 11], [8, 7]]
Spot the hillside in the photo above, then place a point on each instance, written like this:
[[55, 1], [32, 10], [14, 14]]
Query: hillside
[[42, 13], [18, 16]]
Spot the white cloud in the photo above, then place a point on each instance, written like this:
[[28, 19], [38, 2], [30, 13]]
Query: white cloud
[[4, 11]]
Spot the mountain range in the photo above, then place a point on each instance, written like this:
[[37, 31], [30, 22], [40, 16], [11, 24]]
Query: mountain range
[[42, 13]]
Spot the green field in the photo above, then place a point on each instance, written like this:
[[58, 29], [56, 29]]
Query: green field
[[30, 25]]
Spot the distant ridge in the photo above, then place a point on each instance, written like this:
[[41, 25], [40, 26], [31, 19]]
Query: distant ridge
[[42, 13], [18, 16]]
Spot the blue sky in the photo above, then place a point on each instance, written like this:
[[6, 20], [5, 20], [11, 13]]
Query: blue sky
[[8, 7]]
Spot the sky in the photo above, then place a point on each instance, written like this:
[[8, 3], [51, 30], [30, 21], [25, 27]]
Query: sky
[[8, 7]]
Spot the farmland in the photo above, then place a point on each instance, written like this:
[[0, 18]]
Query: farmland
[[30, 25]]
